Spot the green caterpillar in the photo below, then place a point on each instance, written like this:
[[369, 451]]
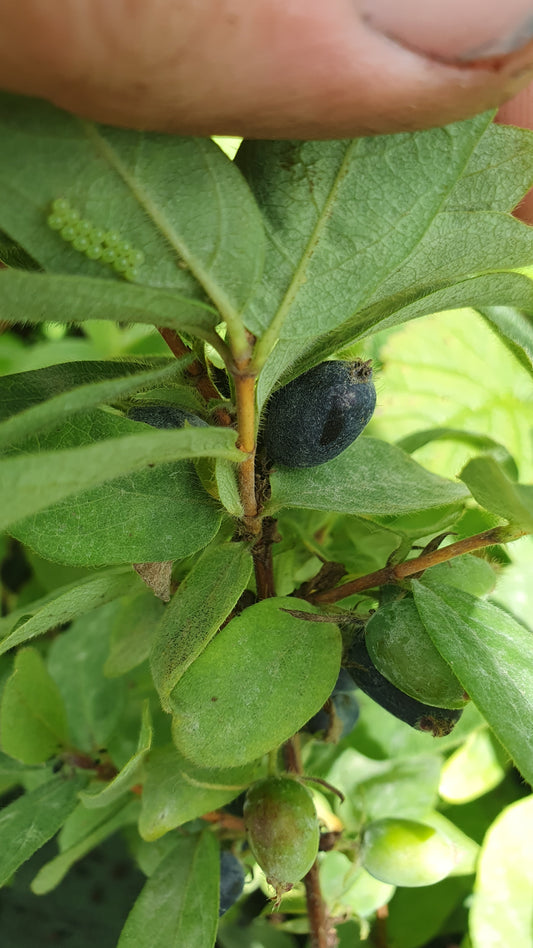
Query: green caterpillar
[[107, 246]]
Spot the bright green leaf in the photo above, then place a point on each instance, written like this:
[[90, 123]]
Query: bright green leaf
[[176, 791], [33, 722], [179, 904], [493, 490], [258, 681], [435, 376], [491, 654], [515, 329], [370, 478], [502, 910], [473, 769], [203, 600]]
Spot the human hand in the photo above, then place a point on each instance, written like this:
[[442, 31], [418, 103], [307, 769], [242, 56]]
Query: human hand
[[269, 68]]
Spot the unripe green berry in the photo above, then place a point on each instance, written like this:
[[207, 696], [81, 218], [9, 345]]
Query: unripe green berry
[[283, 831], [131, 274], [108, 255]]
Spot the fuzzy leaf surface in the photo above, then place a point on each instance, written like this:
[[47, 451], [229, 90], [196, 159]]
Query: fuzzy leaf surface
[[64, 605], [492, 656], [33, 721], [258, 681], [203, 600], [32, 819], [370, 478], [176, 791], [178, 199], [179, 904], [72, 388]]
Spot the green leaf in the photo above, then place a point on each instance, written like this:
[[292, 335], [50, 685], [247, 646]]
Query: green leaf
[[348, 888], [36, 481], [471, 573], [132, 629], [20, 392], [483, 443], [371, 478], [376, 789], [44, 297], [176, 791], [179, 904], [473, 769], [503, 893], [515, 329], [257, 683], [491, 655], [96, 797], [493, 490], [203, 600], [64, 605], [76, 662], [32, 819], [417, 916], [33, 721], [435, 377], [419, 223], [202, 214], [103, 826]]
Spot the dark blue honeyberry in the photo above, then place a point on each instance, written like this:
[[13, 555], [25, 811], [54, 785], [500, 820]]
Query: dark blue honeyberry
[[423, 717], [318, 415], [344, 705], [165, 416], [231, 880]]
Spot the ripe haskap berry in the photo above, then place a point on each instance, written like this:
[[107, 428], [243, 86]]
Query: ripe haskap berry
[[283, 831], [423, 717], [318, 415], [339, 715], [165, 416], [231, 880]]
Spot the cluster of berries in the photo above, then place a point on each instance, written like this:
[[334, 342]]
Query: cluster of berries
[[107, 246]]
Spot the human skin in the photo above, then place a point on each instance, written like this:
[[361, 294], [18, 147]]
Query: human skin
[[271, 68]]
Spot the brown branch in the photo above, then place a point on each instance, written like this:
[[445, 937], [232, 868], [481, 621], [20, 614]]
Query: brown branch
[[197, 372], [245, 396], [394, 574], [322, 932]]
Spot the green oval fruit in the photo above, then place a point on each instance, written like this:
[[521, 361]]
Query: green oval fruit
[[421, 716], [318, 415], [401, 649], [402, 852], [283, 831]]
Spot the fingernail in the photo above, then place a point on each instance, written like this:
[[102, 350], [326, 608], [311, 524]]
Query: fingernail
[[456, 30]]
